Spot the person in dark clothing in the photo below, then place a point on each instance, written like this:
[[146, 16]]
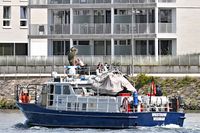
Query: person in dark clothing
[[158, 91]]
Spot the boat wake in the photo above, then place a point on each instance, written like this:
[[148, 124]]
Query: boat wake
[[21, 126]]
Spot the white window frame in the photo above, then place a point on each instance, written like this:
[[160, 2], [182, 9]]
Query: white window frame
[[7, 19]]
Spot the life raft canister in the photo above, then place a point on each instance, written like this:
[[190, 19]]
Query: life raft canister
[[24, 97]]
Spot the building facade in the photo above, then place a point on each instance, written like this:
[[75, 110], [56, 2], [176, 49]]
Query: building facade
[[107, 27], [13, 27]]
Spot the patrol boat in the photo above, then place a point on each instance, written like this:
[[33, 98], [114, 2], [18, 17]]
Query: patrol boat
[[89, 101]]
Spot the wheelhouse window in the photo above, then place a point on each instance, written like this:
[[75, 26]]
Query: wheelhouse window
[[57, 89], [66, 90], [6, 16], [23, 16]]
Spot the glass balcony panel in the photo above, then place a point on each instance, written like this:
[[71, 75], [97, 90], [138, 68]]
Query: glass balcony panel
[[37, 2], [166, 28], [167, 1], [91, 28], [59, 1], [137, 28], [134, 1], [60, 29], [91, 1], [38, 29]]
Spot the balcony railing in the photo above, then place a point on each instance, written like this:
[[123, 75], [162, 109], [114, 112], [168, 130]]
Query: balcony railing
[[91, 1], [38, 2], [60, 29], [166, 28], [45, 2], [134, 1], [91, 28], [38, 29], [137, 28], [58, 1], [102, 28], [167, 1]]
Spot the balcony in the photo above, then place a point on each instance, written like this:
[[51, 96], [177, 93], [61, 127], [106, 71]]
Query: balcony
[[91, 1], [134, 1], [92, 28], [58, 1], [138, 28], [166, 1], [167, 28], [100, 28], [38, 2], [38, 29], [60, 29]]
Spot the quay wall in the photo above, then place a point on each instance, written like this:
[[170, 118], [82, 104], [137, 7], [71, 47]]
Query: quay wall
[[128, 69]]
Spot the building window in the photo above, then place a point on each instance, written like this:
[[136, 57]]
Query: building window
[[123, 47], [145, 47], [165, 47], [102, 47], [83, 47], [13, 49], [6, 49], [61, 47], [21, 49], [165, 16], [23, 16], [6, 16]]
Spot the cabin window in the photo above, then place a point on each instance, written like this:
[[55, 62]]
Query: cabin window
[[68, 106], [78, 91], [84, 105], [66, 90], [57, 89], [51, 91]]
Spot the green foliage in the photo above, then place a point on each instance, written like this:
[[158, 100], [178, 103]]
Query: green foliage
[[142, 80], [4, 104]]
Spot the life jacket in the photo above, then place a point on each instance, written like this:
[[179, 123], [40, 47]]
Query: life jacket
[[24, 97]]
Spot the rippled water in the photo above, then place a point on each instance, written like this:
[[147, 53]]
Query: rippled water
[[12, 122]]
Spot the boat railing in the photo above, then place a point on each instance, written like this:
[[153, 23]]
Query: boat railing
[[83, 103], [28, 93], [97, 104]]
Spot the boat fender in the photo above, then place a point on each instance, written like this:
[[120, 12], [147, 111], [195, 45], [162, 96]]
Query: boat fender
[[124, 106]]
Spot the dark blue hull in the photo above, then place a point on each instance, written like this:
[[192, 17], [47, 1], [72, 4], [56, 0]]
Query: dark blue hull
[[39, 116]]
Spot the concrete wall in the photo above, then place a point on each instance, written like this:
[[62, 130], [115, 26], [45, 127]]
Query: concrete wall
[[124, 69]]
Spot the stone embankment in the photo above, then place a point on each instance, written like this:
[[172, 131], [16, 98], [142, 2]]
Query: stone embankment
[[187, 87]]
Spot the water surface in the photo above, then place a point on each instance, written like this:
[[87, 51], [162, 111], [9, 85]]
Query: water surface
[[12, 122]]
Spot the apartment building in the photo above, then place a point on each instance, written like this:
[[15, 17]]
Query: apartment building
[[13, 27], [108, 27]]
